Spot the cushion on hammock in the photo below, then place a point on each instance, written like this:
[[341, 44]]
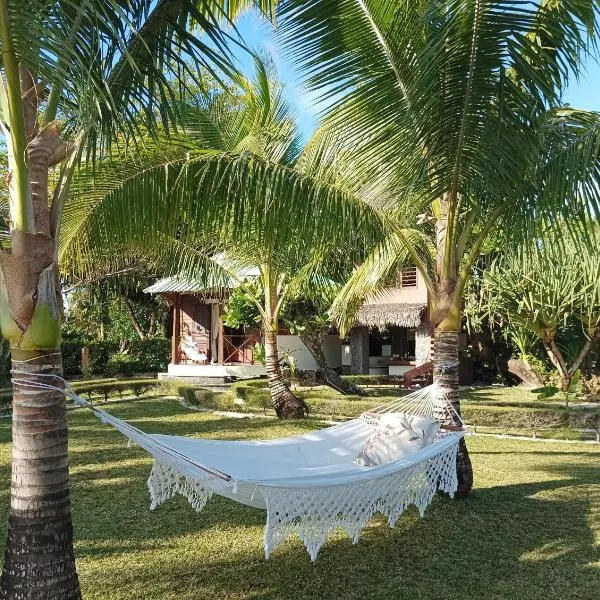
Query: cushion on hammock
[[398, 435]]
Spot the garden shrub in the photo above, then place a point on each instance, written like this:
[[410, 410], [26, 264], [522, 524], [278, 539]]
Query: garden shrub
[[143, 386], [5, 363], [122, 364], [533, 419], [254, 392], [590, 388], [100, 354], [206, 398], [183, 390], [71, 358], [366, 380], [106, 388], [151, 355]]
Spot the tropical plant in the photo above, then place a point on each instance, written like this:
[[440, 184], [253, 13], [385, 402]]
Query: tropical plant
[[76, 76], [305, 315], [230, 204], [547, 288], [449, 110], [113, 311]]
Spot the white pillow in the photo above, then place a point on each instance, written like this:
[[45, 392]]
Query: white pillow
[[397, 436]]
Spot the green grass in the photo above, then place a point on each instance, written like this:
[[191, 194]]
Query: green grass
[[508, 396], [530, 529]]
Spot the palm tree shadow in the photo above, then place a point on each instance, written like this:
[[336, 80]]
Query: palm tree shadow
[[512, 542], [504, 542]]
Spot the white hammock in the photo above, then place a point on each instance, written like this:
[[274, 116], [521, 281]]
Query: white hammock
[[309, 484]]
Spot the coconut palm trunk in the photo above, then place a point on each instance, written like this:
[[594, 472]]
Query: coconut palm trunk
[[39, 562], [286, 404], [445, 372], [313, 341], [446, 317]]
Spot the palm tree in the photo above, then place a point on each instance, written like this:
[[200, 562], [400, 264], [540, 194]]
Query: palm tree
[[225, 197], [451, 108], [74, 75]]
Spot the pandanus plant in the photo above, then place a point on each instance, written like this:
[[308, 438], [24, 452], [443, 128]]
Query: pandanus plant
[[75, 76], [546, 286], [450, 109]]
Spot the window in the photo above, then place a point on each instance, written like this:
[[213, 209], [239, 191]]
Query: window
[[408, 278]]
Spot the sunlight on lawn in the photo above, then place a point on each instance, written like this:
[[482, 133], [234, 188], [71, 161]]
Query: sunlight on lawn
[[531, 523]]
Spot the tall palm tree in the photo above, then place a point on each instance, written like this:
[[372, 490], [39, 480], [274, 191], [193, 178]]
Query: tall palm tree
[[451, 108], [225, 197], [74, 75]]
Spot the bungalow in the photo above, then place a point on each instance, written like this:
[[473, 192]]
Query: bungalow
[[203, 347], [391, 335]]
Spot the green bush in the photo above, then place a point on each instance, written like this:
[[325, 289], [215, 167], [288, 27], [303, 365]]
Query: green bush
[[143, 386], [106, 388], [206, 398], [335, 409], [531, 419], [151, 355], [100, 354], [254, 392], [122, 364], [366, 380], [71, 358], [183, 390]]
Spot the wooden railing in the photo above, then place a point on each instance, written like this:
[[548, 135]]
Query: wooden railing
[[425, 370], [239, 349]]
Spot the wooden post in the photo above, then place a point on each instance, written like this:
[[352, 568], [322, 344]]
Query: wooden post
[[176, 331], [221, 342], [85, 359]]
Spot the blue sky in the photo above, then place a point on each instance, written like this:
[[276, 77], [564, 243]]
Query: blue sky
[[583, 94]]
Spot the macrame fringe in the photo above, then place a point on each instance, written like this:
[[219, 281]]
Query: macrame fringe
[[314, 513]]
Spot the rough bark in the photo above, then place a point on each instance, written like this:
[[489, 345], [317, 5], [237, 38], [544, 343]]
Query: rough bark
[[313, 342], [525, 372], [445, 365], [39, 563], [286, 404]]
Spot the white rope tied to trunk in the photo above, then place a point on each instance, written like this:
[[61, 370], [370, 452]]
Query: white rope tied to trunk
[[308, 484]]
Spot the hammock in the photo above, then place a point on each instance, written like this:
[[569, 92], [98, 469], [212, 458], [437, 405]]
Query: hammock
[[308, 484]]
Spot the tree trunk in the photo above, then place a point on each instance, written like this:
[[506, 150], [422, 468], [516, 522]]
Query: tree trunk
[[287, 405], [39, 563], [445, 369], [313, 342], [525, 372], [134, 321]]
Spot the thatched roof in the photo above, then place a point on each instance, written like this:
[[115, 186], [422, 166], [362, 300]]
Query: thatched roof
[[384, 315]]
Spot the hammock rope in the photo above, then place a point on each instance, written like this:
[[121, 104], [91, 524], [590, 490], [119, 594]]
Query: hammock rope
[[309, 484]]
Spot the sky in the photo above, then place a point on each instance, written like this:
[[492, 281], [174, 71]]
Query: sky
[[584, 94]]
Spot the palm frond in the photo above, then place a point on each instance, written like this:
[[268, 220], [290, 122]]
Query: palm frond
[[212, 202], [114, 65]]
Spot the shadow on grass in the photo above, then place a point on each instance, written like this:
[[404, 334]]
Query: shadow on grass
[[524, 540], [501, 543]]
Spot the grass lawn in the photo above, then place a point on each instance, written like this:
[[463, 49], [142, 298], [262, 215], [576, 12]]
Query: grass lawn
[[530, 529]]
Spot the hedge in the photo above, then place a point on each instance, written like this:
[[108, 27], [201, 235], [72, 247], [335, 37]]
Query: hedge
[[109, 388], [367, 380]]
